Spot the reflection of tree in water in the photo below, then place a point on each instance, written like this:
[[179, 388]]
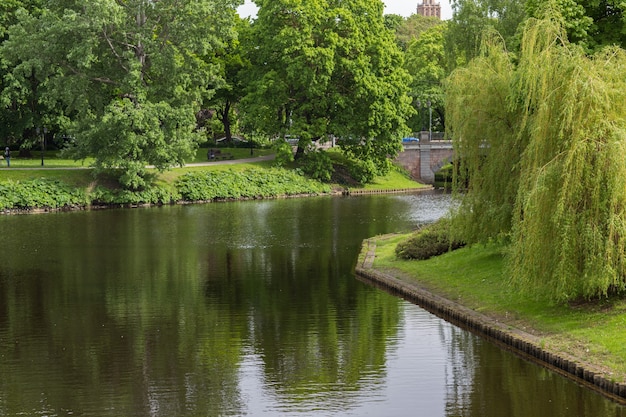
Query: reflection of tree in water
[[154, 310], [487, 381], [462, 362], [111, 313], [320, 335]]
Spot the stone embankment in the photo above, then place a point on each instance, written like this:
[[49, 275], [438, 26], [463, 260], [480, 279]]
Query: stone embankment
[[502, 334], [356, 191]]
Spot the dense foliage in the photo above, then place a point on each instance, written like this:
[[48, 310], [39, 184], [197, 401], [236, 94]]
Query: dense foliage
[[426, 62], [328, 67], [472, 18], [592, 24], [544, 149], [207, 186], [431, 240], [197, 186], [40, 193], [139, 82], [123, 79]]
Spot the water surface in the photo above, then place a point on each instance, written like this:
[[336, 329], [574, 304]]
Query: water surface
[[247, 308]]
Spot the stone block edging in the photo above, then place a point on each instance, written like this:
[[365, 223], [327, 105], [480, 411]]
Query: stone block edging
[[519, 342], [354, 192]]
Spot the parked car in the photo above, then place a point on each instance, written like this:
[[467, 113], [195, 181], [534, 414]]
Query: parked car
[[410, 139]]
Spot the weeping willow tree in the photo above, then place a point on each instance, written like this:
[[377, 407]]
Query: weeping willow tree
[[553, 176], [484, 127], [569, 234]]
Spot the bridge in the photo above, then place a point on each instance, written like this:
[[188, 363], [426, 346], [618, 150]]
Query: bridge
[[424, 158]]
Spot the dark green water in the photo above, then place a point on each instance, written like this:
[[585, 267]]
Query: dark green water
[[235, 309]]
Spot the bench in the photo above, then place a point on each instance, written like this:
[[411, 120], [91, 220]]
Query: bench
[[217, 155]]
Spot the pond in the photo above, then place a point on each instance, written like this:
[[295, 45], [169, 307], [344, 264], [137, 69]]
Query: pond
[[244, 308]]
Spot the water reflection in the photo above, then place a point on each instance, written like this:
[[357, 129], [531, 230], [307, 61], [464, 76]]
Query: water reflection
[[239, 308]]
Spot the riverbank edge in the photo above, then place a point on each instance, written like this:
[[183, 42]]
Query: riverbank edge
[[335, 192], [502, 334]]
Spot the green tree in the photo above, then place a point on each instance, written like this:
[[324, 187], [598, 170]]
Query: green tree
[[15, 115], [393, 21], [233, 65], [471, 18], [426, 62], [594, 24], [412, 27], [322, 68], [125, 77]]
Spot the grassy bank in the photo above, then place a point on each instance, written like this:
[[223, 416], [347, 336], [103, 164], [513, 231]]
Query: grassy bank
[[475, 277], [71, 186], [396, 179]]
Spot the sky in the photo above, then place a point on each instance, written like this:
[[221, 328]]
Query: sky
[[402, 7]]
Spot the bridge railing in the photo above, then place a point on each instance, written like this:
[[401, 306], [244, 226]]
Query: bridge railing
[[424, 135]]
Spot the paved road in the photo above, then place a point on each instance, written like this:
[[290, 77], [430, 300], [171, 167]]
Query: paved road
[[196, 164]]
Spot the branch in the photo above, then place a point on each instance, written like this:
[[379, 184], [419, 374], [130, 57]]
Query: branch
[[119, 58], [104, 80]]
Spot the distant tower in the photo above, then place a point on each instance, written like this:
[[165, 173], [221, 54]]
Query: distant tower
[[429, 8]]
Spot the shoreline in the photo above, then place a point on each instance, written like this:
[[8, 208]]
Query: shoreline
[[503, 334], [337, 192]]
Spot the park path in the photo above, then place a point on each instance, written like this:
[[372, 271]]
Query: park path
[[233, 161], [195, 164]]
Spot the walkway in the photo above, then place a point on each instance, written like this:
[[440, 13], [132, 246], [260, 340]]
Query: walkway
[[194, 164]]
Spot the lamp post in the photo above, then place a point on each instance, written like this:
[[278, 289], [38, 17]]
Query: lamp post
[[418, 104], [430, 120], [43, 140]]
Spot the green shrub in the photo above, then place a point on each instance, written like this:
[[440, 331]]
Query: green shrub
[[362, 171], [431, 240], [149, 195], [39, 193], [253, 183], [317, 164], [284, 154]]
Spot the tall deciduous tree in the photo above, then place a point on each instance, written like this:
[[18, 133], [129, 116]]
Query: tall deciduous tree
[[127, 77], [15, 115], [233, 65], [426, 62], [471, 18], [329, 67], [594, 24], [412, 27]]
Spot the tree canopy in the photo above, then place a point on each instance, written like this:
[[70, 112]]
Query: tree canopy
[[426, 62], [328, 67], [471, 18], [410, 28], [594, 24], [125, 79]]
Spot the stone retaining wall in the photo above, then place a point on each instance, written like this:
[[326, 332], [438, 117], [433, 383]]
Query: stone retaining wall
[[353, 191], [519, 342]]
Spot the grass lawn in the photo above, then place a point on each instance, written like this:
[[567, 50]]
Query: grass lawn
[[82, 178], [393, 180], [476, 278], [50, 161], [169, 177]]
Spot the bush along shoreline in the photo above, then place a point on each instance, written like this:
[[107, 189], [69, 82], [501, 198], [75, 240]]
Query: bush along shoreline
[[54, 195]]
